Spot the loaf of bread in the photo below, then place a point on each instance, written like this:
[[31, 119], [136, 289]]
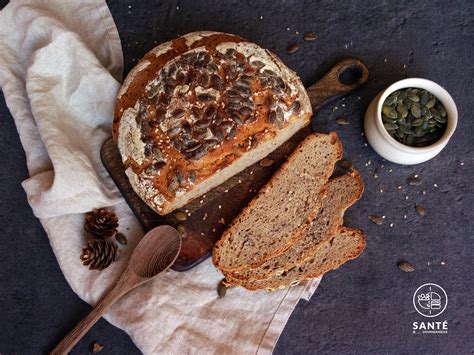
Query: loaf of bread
[[341, 193], [284, 208], [199, 109], [344, 245]]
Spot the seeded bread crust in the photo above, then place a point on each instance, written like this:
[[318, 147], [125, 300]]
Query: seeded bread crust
[[342, 192], [247, 226], [346, 244], [199, 109]]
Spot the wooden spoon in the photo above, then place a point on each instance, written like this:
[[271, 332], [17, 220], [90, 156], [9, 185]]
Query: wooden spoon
[[155, 253]]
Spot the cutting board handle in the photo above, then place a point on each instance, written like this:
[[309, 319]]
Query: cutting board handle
[[344, 77]]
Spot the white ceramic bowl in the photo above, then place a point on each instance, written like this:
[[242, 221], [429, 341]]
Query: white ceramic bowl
[[388, 147]]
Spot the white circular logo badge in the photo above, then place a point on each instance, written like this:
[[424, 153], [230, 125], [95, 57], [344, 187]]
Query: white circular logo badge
[[430, 300]]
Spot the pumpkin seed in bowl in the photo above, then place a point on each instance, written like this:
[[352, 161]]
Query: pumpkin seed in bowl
[[414, 117]]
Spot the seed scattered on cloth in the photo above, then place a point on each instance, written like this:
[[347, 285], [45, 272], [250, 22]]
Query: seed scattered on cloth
[[121, 238], [222, 288]]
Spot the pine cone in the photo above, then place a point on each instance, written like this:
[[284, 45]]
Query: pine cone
[[98, 254], [101, 223]]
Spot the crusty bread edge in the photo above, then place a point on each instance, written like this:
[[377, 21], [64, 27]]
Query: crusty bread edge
[[331, 232], [299, 232]]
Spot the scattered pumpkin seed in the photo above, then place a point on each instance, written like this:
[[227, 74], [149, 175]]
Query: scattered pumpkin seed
[[342, 121], [292, 48], [181, 230], [345, 164], [310, 36], [405, 266], [414, 180], [342, 167], [181, 216], [222, 288], [414, 117], [121, 238], [95, 347], [376, 219], [266, 162], [421, 211]]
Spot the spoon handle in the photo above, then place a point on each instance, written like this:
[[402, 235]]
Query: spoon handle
[[85, 324]]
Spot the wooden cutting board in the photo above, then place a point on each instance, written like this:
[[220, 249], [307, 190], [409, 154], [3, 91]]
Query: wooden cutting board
[[202, 222]]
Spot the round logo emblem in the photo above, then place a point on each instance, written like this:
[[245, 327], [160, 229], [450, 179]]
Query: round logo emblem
[[430, 300]]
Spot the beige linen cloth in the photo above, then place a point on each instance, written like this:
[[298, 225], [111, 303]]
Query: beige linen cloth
[[60, 67]]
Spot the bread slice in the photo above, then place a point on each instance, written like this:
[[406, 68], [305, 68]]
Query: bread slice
[[346, 244], [284, 208], [342, 192]]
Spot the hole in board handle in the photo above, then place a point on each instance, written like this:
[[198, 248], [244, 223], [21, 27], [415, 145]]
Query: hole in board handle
[[351, 75]]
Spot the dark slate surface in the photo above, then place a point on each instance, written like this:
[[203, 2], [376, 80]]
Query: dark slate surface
[[365, 306]]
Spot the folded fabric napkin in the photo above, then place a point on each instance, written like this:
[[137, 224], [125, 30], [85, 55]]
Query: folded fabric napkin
[[60, 69]]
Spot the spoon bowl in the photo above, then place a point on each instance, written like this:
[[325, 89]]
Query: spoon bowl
[[156, 252]]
